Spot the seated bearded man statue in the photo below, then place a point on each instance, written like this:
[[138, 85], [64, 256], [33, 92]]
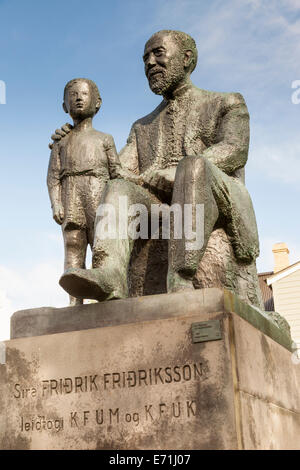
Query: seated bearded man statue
[[191, 150]]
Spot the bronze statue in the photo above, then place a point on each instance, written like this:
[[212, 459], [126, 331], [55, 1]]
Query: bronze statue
[[79, 168], [191, 149]]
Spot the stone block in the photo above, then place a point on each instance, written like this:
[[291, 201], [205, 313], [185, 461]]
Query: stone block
[[136, 379]]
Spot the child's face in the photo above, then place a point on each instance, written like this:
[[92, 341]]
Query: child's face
[[80, 102]]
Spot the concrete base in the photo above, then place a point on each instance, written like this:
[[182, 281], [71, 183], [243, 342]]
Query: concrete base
[[138, 380]]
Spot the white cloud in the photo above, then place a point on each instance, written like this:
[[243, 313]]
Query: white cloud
[[5, 309], [37, 287], [277, 163], [291, 4], [242, 39]]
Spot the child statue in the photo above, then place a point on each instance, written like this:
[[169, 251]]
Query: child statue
[[80, 165]]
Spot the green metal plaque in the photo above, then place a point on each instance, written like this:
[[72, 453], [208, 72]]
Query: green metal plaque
[[206, 331]]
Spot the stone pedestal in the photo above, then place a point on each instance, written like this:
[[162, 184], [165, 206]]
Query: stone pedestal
[[194, 370]]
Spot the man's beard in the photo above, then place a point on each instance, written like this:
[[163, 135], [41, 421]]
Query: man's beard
[[158, 83], [167, 78]]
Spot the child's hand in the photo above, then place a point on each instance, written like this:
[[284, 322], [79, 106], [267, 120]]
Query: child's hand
[[59, 133], [58, 213]]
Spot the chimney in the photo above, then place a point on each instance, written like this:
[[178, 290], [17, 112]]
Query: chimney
[[281, 256]]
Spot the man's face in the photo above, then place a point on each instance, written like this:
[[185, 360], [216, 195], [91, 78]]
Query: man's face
[[164, 63], [80, 100]]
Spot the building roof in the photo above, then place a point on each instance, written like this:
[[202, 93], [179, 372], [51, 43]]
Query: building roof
[[266, 291], [283, 273]]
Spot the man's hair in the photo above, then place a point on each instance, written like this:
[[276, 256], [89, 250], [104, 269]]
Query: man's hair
[[92, 85], [185, 42]]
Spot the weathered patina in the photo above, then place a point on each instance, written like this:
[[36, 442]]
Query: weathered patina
[[80, 165], [191, 150]]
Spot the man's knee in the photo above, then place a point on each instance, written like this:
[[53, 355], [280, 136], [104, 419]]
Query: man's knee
[[193, 166]]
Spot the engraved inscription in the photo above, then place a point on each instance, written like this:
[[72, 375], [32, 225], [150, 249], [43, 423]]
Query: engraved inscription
[[157, 375], [68, 385], [106, 389], [112, 380], [41, 423], [20, 392], [149, 413]]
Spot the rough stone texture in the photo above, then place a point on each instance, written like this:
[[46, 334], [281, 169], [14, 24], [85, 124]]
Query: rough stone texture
[[49, 320], [240, 392], [268, 390], [189, 412], [80, 165], [218, 268], [190, 151]]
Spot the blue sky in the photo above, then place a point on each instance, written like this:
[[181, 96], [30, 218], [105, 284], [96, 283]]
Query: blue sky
[[250, 46]]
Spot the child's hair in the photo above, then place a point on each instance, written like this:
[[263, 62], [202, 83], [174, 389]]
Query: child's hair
[[90, 83]]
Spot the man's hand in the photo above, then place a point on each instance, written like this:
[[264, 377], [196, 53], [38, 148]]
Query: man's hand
[[60, 133], [128, 175], [58, 213], [160, 180]]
